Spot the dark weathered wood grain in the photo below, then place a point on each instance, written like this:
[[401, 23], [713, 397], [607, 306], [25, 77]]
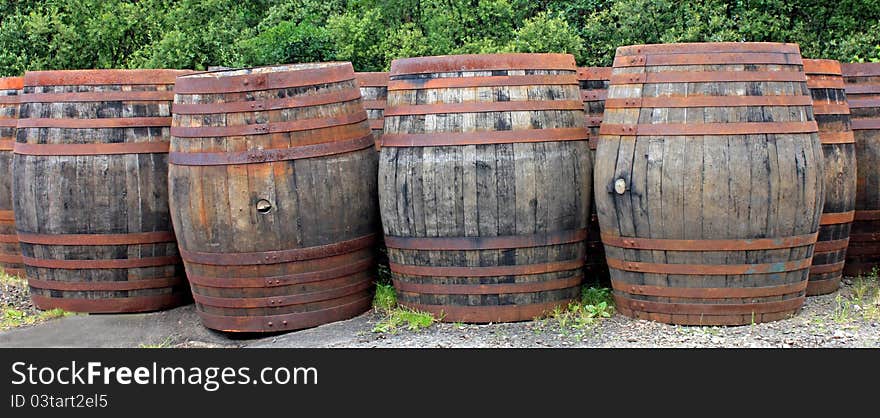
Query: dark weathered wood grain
[[832, 115], [96, 195], [313, 202], [706, 188], [485, 190], [862, 83], [10, 253]]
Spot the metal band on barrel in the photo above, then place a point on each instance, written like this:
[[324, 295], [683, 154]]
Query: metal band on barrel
[[822, 82], [484, 137], [718, 58], [708, 129], [709, 269], [107, 286], [708, 292], [286, 300], [264, 81], [372, 79], [858, 103], [486, 81], [486, 271], [8, 238], [707, 77], [338, 96], [91, 149], [296, 320], [830, 246], [136, 238], [374, 104], [97, 123], [594, 73], [99, 96], [285, 280], [102, 264], [709, 308], [267, 128], [480, 107], [708, 101], [10, 259], [270, 155], [707, 244], [594, 95], [486, 243], [827, 108], [278, 256], [101, 77], [867, 215], [487, 62], [837, 218], [709, 47], [488, 289], [6, 144], [7, 215], [863, 124], [846, 137]]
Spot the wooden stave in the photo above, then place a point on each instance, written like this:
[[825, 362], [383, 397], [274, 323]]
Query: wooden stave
[[10, 252], [228, 304], [471, 305], [860, 80], [840, 168], [603, 172], [99, 298]]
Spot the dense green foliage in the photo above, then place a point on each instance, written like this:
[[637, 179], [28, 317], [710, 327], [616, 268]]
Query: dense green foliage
[[57, 34]]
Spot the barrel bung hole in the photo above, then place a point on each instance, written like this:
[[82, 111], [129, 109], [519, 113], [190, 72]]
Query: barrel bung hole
[[263, 206]]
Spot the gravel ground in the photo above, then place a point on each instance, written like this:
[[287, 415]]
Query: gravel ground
[[836, 320], [14, 294], [825, 321]]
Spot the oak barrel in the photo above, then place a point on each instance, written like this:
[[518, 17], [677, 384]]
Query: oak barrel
[[484, 184], [10, 253], [273, 194], [709, 178], [374, 91], [831, 111], [594, 89], [91, 196], [862, 82]]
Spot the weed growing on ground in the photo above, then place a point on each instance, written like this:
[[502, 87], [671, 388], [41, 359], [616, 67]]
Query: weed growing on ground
[[13, 318], [595, 304], [865, 298], [164, 344], [386, 297], [9, 280], [397, 317]]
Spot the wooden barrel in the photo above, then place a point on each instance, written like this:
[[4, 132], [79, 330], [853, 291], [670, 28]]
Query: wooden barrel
[[594, 89], [91, 191], [374, 91], [273, 184], [862, 83], [709, 174], [10, 253], [838, 146], [484, 184]]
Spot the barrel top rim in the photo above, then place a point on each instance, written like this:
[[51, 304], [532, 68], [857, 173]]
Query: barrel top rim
[[822, 66], [372, 79], [101, 77], [266, 69], [860, 69], [11, 83], [598, 73], [705, 47], [482, 62]]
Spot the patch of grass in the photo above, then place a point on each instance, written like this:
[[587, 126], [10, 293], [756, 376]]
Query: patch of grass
[[397, 317], [14, 318], [386, 297], [404, 318], [596, 303], [866, 296], [842, 311], [164, 344], [12, 280]]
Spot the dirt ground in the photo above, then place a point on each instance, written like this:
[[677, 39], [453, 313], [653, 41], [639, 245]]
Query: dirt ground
[[848, 318]]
